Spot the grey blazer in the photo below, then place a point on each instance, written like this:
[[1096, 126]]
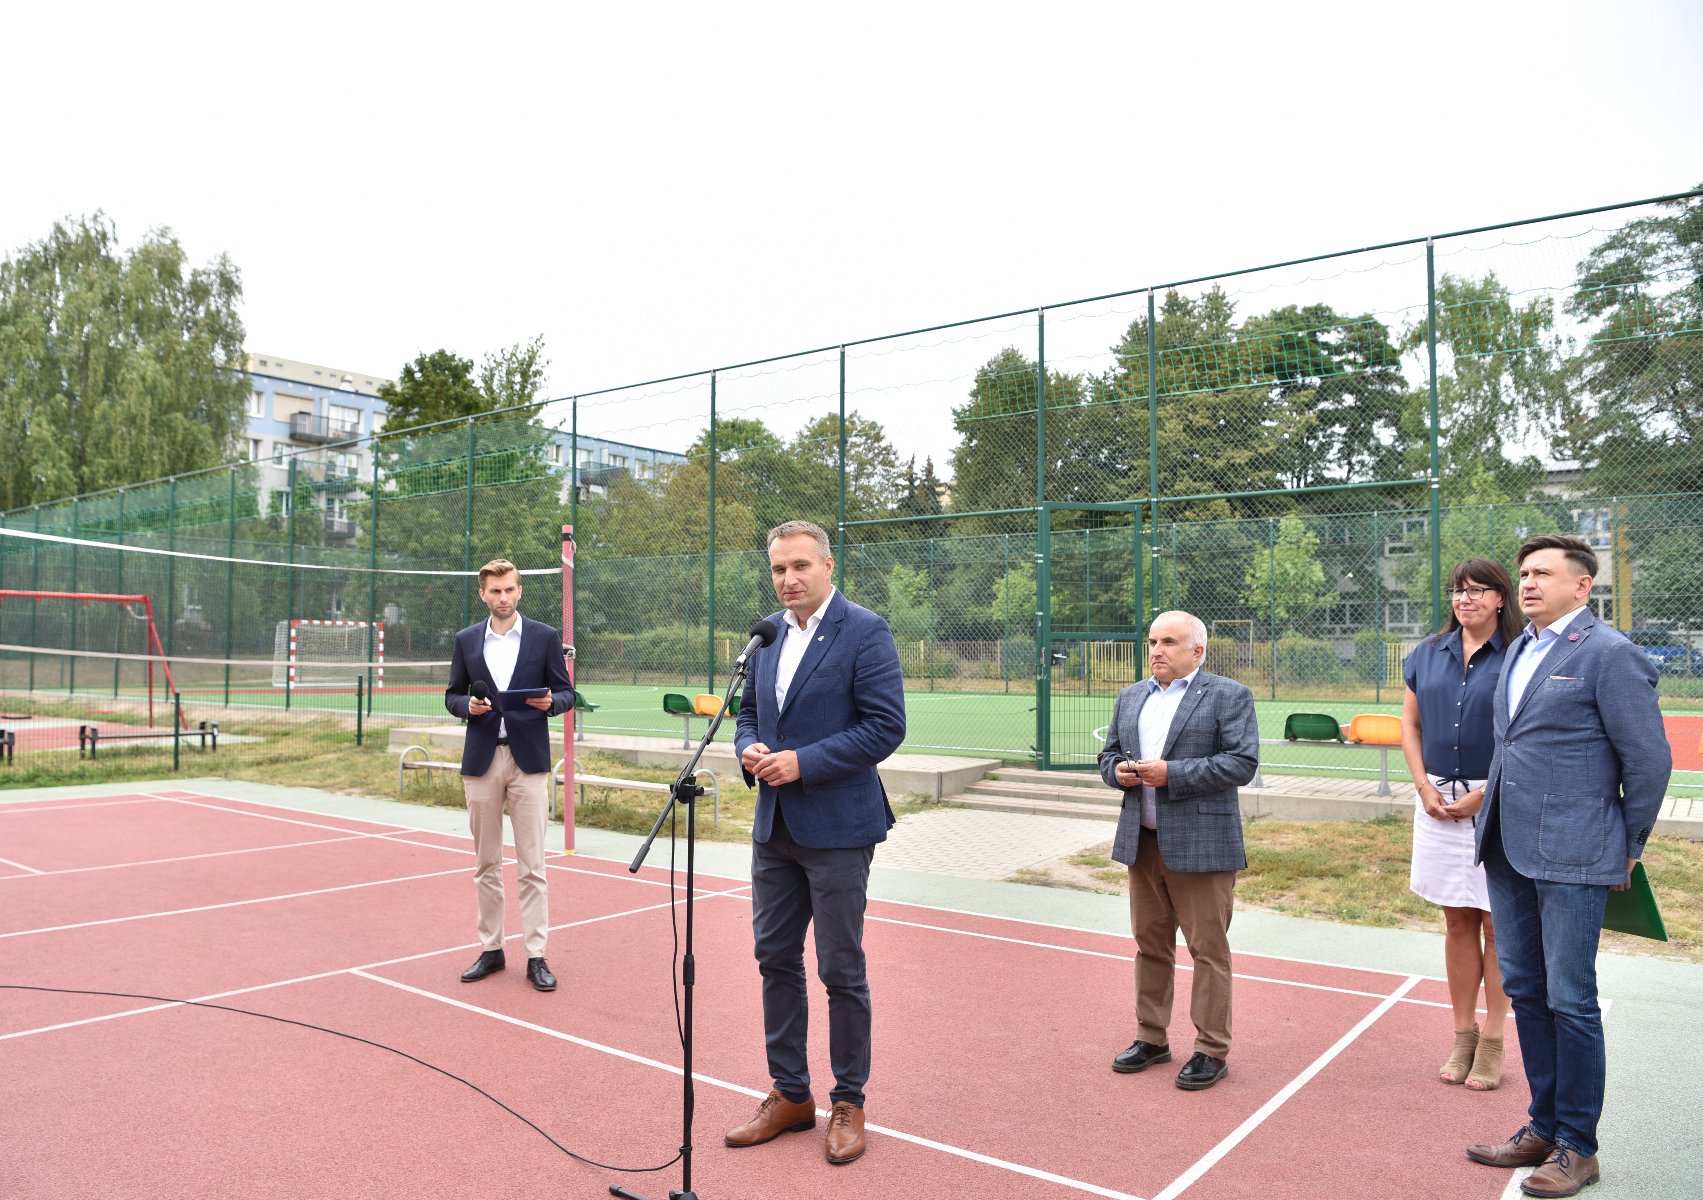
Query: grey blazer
[[1582, 766], [1212, 748]]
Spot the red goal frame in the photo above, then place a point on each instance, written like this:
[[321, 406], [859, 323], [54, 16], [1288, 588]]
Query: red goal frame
[[156, 647]]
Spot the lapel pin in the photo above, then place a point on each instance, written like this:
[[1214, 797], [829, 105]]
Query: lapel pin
[[821, 637], [1572, 637]]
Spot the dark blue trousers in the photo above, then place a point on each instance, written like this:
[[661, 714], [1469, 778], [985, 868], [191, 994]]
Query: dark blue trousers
[[791, 886]]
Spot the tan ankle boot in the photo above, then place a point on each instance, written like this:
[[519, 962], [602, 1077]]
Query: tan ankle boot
[[1486, 1073]]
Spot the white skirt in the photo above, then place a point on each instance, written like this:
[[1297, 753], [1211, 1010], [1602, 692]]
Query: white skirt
[[1443, 870]]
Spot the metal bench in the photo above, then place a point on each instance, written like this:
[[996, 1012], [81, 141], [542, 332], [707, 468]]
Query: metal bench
[[583, 780], [703, 706], [404, 764], [89, 737]]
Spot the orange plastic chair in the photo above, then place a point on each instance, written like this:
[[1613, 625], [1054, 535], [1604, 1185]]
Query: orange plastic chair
[[706, 705], [1375, 729]]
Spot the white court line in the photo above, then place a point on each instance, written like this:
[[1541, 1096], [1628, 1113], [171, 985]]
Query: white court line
[[178, 912], [239, 812], [1235, 1137], [740, 1089], [159, 862], [21, 867], [1118, 957], [261, 987], [42, 806]]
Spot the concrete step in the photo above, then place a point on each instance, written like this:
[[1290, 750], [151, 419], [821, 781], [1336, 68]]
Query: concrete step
[[1020, 803], [1052, 779], [999, 788]]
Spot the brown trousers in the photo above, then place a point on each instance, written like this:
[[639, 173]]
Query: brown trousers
[[1201, 903], [502, 785]]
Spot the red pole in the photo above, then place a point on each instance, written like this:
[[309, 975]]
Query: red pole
[[568, 717]]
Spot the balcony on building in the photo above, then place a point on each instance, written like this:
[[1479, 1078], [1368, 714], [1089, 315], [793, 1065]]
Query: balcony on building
[[339, 529], [306, 427]]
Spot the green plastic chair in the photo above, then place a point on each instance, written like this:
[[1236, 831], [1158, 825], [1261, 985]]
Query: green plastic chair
[[1311, 727], [676, 705]]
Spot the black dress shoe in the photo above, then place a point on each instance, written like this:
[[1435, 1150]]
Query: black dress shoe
[[538, 971], [1201, 1072], [488, 963], [1139, 1057]]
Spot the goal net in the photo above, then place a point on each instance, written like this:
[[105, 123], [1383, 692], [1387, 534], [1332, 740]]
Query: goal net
[[111, 636], [327, 654]]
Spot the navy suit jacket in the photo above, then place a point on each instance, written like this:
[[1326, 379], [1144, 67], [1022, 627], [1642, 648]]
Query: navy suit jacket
[[539, 665], [1211, 750], [844, 714], [1581, 767]]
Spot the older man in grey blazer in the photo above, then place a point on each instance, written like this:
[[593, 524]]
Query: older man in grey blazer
[[1581, 767], [1180, 744]]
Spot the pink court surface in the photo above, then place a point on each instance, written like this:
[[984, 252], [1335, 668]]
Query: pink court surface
[[993, 1037]]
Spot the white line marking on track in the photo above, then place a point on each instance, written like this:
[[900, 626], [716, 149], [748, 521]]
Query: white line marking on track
[[1235, 1137], [242, 812], [21, 867], [7, 810], [158, 862], [178, 912], [261, 987], [740, 1089]]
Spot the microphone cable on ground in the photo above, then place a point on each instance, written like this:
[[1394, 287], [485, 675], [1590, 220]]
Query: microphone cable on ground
[[246, 1012]]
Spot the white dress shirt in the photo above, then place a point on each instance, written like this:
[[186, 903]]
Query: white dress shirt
[[1527, 655], [793, 648], [1152, 726], [502, 652]]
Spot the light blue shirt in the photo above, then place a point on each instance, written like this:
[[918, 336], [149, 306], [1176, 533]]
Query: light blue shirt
[[1152, 726], [1526, 655]]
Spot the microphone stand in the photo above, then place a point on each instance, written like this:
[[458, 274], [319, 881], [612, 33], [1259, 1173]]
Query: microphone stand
[[686, 790]]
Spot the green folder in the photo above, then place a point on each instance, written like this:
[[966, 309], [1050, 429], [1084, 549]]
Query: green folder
[[1634, 911]]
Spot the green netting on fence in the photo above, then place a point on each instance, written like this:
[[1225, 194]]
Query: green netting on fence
[[1289, 452]]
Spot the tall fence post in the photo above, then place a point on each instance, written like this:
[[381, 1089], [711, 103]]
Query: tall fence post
[[1271, 626], [359, 681], [1153, 441], [1436, 482], [290, 583], [117, 635], [710, 632], [467, 535], [230, 579], [176, 729]]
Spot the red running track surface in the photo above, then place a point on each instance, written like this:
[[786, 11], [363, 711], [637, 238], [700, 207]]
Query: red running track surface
[[991, 1058]]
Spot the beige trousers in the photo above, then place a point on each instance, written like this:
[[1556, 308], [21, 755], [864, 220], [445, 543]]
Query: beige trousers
[[505, 785], [1201, 902]]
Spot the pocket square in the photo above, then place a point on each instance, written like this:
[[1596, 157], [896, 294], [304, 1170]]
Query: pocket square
[[1565, 678]]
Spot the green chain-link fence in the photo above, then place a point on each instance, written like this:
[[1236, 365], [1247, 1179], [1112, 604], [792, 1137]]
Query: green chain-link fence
[[1291, 452]]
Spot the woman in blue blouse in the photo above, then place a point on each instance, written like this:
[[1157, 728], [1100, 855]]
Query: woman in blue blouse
[[1447, 738]]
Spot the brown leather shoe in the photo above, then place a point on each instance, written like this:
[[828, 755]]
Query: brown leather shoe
[[777, 1115], [845, 1133], [1563, 1173], [1524, 1149]]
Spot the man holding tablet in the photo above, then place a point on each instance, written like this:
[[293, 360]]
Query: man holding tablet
[[506, 679]]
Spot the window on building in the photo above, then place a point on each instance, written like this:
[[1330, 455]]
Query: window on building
[[617, 460], [255, 449], [277, 454], [554, 453], [345, 421], [257, 403], [281, 502]]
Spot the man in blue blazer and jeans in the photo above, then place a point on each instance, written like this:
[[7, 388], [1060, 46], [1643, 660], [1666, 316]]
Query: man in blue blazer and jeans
[[825, 704], [505, 761], [1580, 771]]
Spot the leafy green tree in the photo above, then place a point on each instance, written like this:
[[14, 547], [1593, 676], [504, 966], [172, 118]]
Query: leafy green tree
[[114, 365], [1286, 580], [1634, 414], [993, 466], [1669, 581], [873, 476], [1500, 379]]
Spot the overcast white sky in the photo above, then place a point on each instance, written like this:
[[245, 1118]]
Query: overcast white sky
[[667, 187]]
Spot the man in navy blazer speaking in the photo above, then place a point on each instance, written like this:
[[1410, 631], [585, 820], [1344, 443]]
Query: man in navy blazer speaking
[[825, 704], [1578, 777], [505, 760]]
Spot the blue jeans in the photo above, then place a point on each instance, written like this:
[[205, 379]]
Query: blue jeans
[[791, 886], [1546, 943]]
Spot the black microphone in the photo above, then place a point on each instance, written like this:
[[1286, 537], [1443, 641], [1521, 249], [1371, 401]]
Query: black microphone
[[762, 633], [479, 691]]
